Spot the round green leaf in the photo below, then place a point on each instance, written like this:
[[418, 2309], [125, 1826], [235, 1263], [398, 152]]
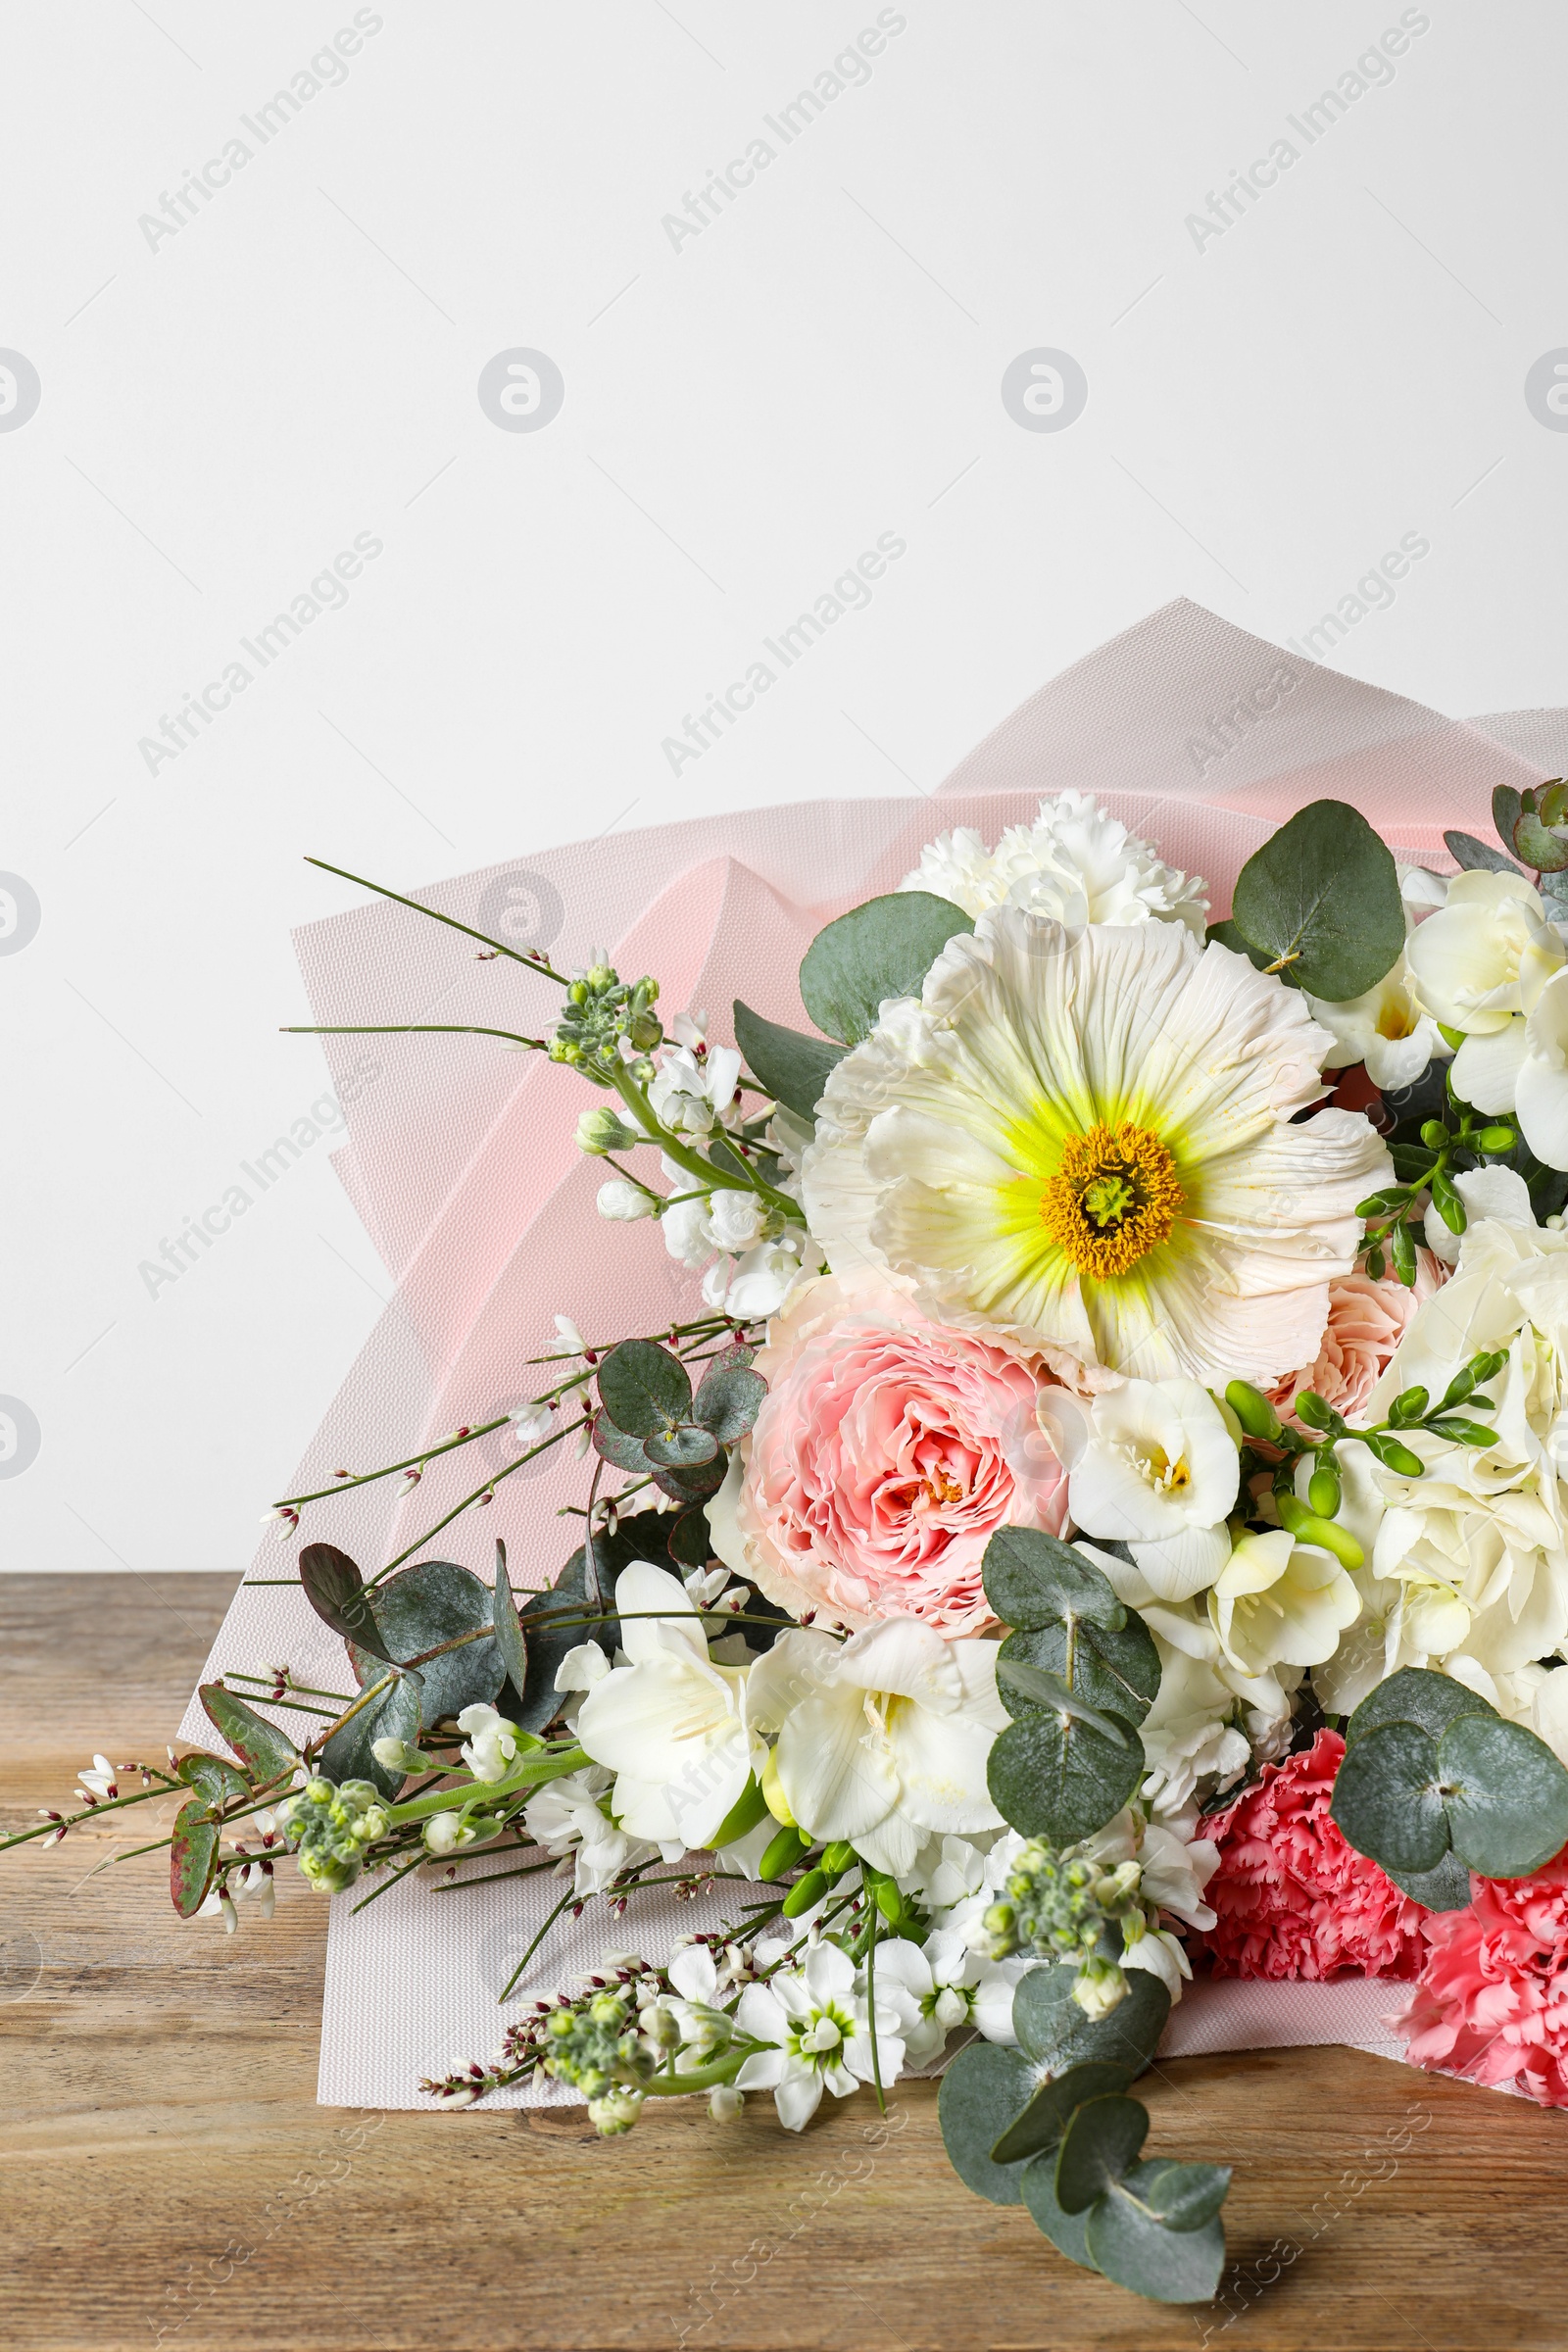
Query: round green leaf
[[1101, 2139], [981, 2092], [1507, 1797], [1323, 896], [1184, 2195], [1055, 1778], [795, 1068], [1139, 2251], [1114, 1668], [421, 1608], [215, 1781], [395, 1715], [1386, 1797], [728, 1401], [684, 1448], [1446, 1888], [265, 1750], [1055, 2031], [1044, 2118], [876, 951], [1031, 1579], [192, 1859], [644, 1388], [336, 1591], [1415, 1694], [1065, 2231]]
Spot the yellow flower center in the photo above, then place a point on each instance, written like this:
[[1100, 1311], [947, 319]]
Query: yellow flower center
[[1113, 1199]]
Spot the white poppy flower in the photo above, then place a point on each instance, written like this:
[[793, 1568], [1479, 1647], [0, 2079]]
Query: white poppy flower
[[1277, 1602], [1151, 1464], [1385, 1029], [671, 1724], [1484, 955], [888, 1744], [1086, 1141], [820, 2028]]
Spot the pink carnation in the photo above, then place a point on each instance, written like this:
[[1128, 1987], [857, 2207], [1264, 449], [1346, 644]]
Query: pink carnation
[[1492, 2001], [1366, 1322], [888, 1453], [1293, 1899]]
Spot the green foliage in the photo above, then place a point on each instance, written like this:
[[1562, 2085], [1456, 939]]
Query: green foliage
[[1101, 2139], [192, 1859], [793, 1067], [215, 1783], [395, 1714], [1229, 935], [1052, 1777], [982, 2091], [1322, 898], [265, 1750], [1415, 1694], [418, 1610], [336, 1591], [653, 1426], [1130, 2242], [509, 1641], [1051, 2107], [876, 951], [1477, 855], [644, 1388], [1444, 1776], [1031, 1580], [1539, 832], [1055, 2033]]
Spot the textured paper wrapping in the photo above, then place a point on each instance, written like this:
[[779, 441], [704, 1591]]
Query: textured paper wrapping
[[461, 1160]]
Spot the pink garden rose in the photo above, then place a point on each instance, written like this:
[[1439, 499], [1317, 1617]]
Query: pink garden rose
[[888, 1453], [1366, 1322], [1492, 2001], [1293, 1899]]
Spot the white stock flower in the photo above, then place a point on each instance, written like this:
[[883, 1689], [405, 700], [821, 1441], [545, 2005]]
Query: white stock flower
[[1385, 1029], [1280, 1602], [623, 1201], [1088, 1141], [738, 1219], [820, 2028], [888, 1744], [491, 1742], [933, 1991], [1483, 958], [690, 1092], [758, 1286], [671, 1724], [1151, 1464], [1075, 862], [566, 1817]]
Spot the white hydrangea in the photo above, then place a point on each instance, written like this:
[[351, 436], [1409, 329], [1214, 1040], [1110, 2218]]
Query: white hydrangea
[[1075, 862]]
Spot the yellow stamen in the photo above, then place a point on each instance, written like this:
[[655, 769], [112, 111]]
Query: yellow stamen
[[1114, 1198]]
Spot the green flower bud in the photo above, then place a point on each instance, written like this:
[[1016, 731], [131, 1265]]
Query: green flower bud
[[804, 1892], [602, 1130], [1253, 1410]]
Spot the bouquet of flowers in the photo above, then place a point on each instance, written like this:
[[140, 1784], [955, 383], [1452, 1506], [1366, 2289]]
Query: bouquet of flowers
[[1105, 1522]]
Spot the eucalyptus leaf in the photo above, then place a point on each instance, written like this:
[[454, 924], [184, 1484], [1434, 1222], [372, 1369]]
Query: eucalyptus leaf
[[1031, 1579], [1505, 806], [419, 1609], [728, 1401], [1387, 1801], [691, 1541], [393, 1715], [509, 1641], [1046, 2117], [1507, 1797], [643, 1537], [1542, 845], [1114, 1668], [694, 1483], [1101, 2139], [684, 1448], [793, 1067], [215, 1783], [983, 2089], [1067, 2231], [878, 952], [643, 1387], [1415, 1694], [1322, 896], [1228, 935], [1478, 857], [192, 1859], [336, 1591], [263, 1748], [1056, 2034], [1044, 1690], [1051, 1777], [1138, 2251], [1446, 1888], [614, 1446], [1184, 2195]]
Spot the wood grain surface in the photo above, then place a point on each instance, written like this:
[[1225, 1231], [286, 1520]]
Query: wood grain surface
[[166, 2176]]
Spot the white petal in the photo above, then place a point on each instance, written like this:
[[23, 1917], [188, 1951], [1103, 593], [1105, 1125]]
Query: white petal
[[1486, 1069], [835, 1785], [1182, 1565], [641, 1589], [798, 2097], [693, 1974], [905, 1655]]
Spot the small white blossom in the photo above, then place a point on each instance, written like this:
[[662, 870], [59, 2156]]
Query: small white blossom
[[491, 1742], [817, 2025], [533, 1423], [623, 1201]]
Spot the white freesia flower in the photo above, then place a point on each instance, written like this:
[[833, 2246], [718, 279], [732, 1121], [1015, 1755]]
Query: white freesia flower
[[1089, 1141], [1151, 1464], [1483, 958], [1385, 1029], [491, 1742], [1523, 1069], [566, 1817], [820, 2028], [1191, 1742], [623, 1201], [671, 1724], [1277, 1601], [1075, 862], [883, 1739], [1493, 1192]]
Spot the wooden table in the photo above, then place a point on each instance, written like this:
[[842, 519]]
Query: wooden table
[[168, 2178]]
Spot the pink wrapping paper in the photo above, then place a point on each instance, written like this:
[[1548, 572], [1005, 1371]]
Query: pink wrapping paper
[[460, 1160]]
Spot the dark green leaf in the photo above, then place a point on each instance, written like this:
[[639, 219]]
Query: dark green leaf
[[690, 1542], [1065, 2231], [1039, 1688], [795, 1068], [1507, 1797], [1416, 1695], [1055, 2031], [1138, 2251], [728, 1401], [1184, 2195], [215, 1783], [1229, 935], [336, 1591], [265, 1751], [1115, 1669], [394, 1715], [1477, 855], [1446, 1888], [1386, 1797], [1059, 1779], [639, 1538], [1323, 894], [1540, 843], [1044, 2118], [1413, 1162], [876, 951], [1505, 806], [644, 1388], [1101, 2139], [192, 1859], [981, 2092], [1031, 1579], [694, 1484], [614, 1446], [418, 1610], [684, 1448], [507, 1625]]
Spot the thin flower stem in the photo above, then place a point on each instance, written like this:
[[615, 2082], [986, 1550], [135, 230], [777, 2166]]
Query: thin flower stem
[[110, 1804], [527, 1870], [870, 2008], [534, 1044], [390, 1880], [570, 1897], [371, 1691], [536, 963], [457, 1509], [232, 1674], [414, 1461]]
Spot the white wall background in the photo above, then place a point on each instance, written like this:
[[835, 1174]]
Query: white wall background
[[225, 405]]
